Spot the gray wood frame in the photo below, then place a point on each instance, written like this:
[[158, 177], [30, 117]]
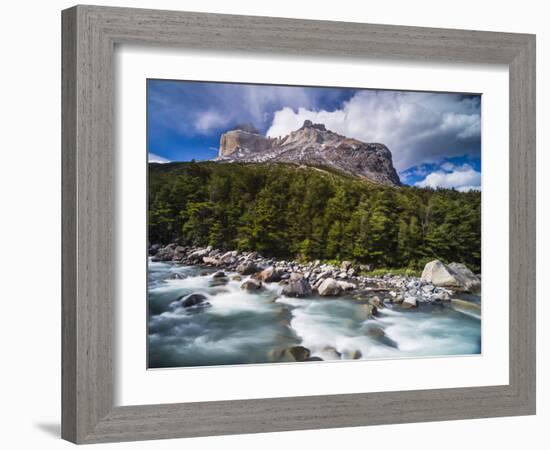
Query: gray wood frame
[[89, 37]]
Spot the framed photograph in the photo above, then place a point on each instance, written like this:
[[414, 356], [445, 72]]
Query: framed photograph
[[267, 229]]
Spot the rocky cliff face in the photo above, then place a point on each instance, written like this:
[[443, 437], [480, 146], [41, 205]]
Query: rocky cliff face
[[311, 145]]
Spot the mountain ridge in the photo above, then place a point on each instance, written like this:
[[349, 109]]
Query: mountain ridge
[[311, 145]]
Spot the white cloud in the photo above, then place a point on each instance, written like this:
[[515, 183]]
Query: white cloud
[[416, 127], [152, 158], [463, 178], [208, 120], [448, 166]]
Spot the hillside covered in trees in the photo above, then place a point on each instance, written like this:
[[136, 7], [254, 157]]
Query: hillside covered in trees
[[288, 211]]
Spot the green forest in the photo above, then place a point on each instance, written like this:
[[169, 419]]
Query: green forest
[[288, 211]]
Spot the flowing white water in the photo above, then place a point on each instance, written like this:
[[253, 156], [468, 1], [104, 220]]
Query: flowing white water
[[239, 327]]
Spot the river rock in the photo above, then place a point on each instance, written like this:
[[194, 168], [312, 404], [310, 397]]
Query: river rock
[[325, 274], [299, 353], [379, 335], [347, 286], [329, 287], [313, 358], [153, 249], [270, 275], [251, 285], [398, 298], [367, 311], [356, 354], [467, 279], [197, 255], [428, 289], [193, 300], [409, 302], [247, 268], [454, 275], [345, 266], [228, 257], [332, 353], [219, 274], [179, 252], [176, 276], [236, 278], [376, 301], [291, 354], [438, 274], [440, 296], [376, 332], [210, 260], [220, 281], [297, 288], [165, 253]]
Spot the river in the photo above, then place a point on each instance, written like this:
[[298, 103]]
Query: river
[[239, 327]]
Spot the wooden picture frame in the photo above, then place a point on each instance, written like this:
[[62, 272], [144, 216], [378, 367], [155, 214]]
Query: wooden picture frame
[[90, 34]]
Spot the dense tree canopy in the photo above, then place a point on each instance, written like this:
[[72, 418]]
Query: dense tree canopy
[[309, 213]]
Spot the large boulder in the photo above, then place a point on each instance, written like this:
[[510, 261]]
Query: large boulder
[[153, 249], [299, 353], [437, 273], [218, 281], [467, 279], [165, 253], [329, 288], [409, 302], [247, 268], [297, 288], [455, 275], [346, 285], [197, 255], [270, 275], [251, 285], [193, 300], [179, 252], [228, 256], [375, 300], [346, 265], [325, 274], [210, 260], [367, 311], [291, 354]]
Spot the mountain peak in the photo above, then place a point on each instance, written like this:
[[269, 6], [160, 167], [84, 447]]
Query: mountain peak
[[248, 127], [311, 145], [309, 124]]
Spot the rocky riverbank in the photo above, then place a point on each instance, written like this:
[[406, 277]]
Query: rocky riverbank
[[438, 283]]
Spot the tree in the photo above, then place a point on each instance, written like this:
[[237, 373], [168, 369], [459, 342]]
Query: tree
[[287, 211]]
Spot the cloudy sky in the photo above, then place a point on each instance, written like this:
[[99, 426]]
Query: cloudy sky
[[435, 138]]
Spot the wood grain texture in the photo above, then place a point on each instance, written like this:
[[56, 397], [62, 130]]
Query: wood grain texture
[[89, 36], [68, 225]]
